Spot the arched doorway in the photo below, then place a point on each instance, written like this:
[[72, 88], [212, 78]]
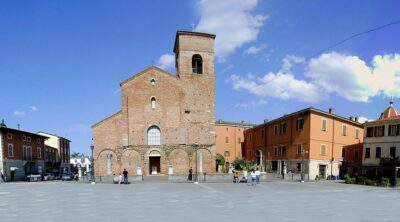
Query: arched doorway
[[154, 162]]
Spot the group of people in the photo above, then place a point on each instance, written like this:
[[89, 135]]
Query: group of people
[[255, 177], [122, 178]]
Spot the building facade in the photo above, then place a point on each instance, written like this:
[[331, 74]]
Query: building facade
[[21, 153], [382, 143], [311, 140], [167, 122], [229, 139], [62, 145]]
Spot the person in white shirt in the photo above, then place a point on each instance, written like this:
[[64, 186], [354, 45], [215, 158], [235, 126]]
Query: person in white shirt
[[253, 177], [258, 173]]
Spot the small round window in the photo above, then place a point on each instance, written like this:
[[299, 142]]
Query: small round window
[[152, 82]]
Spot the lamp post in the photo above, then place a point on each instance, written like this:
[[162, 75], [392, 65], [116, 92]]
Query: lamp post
[[92, 163], [302, 164]]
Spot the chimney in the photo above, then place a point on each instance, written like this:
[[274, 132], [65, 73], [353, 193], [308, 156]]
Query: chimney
[[266, 121], [356, 118], [242, 121], [331, 110], [18, 126], [351, 118]]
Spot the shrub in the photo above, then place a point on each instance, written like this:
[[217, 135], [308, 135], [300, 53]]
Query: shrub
[[350, 180], [329, 177], [385, 182], [317, 177], [370, 182], [361, 180]]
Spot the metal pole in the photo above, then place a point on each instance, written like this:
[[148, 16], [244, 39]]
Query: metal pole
[[302, 164]]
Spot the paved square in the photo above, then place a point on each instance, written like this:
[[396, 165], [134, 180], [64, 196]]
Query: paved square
[[270, 201]]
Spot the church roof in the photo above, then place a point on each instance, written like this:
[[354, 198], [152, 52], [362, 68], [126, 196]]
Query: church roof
[[145, 71], [390, 112]]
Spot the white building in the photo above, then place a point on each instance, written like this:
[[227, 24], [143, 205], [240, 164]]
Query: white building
[[63, 147], [81, 162], [381, 140]]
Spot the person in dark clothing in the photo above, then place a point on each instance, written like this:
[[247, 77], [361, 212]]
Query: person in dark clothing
[[125, 173], [190, 177]]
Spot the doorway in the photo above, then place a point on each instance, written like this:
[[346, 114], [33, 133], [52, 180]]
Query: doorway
[[322, 171], [154, 163]]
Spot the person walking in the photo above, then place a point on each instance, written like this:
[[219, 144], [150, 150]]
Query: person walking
[[125, 173], [253, 177], [258, 174], [190, 176]]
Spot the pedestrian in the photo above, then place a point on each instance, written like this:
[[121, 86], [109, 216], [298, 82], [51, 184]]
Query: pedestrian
[[236, 176], [125, 173], [253, 177], [190, 176], [120, 178], [258, 173]]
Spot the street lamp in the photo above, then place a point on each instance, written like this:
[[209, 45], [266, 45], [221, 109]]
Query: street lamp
[[92, 163]]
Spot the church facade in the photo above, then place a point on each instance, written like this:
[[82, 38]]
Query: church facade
[[167, 122]]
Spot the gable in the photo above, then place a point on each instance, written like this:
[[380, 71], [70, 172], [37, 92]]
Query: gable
[[146, 71]]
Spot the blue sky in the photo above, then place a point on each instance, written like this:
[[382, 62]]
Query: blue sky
[[61, 62]]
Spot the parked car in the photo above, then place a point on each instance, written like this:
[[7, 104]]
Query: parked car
[[67, 176], [49, 176], [34, 177]]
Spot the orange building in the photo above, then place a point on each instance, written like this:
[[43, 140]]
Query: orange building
[[229, 139], [311, 139]]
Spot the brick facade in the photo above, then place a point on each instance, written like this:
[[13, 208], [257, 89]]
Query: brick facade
[[164, 118], [310, 138], [22, 153]]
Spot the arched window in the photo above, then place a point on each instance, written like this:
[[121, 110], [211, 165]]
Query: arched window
[[153, 102], [154, 136], [153, 82], [197, 64]]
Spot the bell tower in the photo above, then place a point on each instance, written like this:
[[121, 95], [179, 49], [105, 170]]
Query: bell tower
[[194, 54]]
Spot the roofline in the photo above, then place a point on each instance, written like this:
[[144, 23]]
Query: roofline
[[144, 71], [183, 32], [25, 132], [312, 109], [226, 123], [94, 125], [54, 135]]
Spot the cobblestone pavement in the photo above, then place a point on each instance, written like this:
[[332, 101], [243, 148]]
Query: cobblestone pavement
[[270, 201]]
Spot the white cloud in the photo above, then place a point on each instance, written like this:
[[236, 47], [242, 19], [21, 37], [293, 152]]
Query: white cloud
[[346, 76], [281, 85], [231, 21], [166, 61], [33, 109], [353, 79], [19, 113], [254, 49], [259, 102]]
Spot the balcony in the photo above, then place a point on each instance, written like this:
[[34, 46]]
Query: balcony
[[389, 162]]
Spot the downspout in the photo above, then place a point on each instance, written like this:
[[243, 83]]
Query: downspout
[[333, 143]]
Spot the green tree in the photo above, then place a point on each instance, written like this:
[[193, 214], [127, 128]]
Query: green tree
[[220, 159], [75, 155]]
